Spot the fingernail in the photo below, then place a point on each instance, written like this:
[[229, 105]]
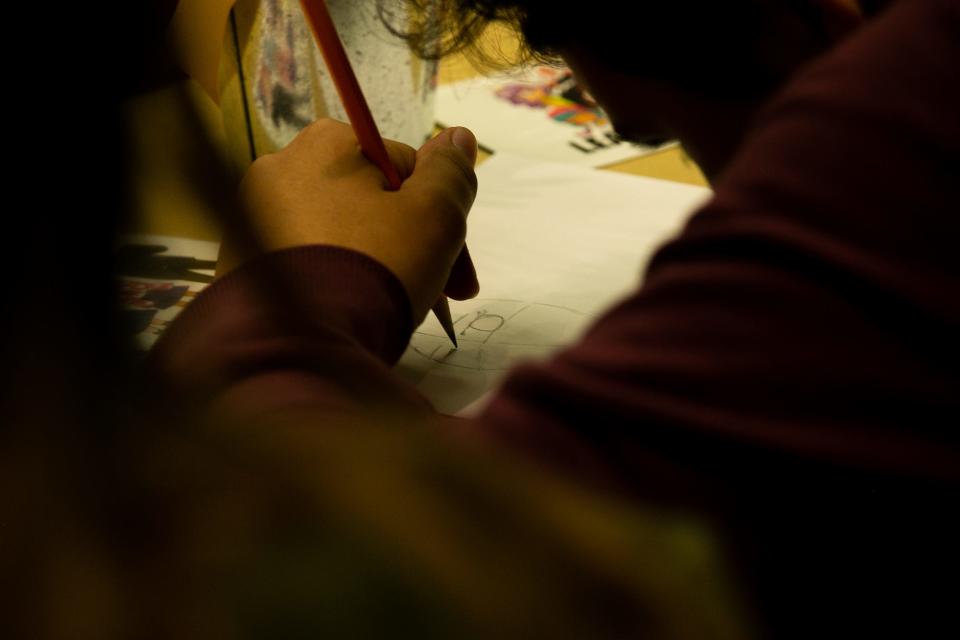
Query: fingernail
[[464, 140]]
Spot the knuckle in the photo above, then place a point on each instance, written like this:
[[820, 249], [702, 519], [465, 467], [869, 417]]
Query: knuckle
[[447, 214], [322, 124], [326, 128], [400, 147], [466, 176], [265, 164], [454, 194], [439, 198]]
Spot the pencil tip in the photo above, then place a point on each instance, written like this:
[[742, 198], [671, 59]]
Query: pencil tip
[[453, 336], [442, 310]]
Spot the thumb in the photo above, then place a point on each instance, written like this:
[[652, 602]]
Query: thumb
[[460, 137], [442, 189], [462, 284], [444, 170]]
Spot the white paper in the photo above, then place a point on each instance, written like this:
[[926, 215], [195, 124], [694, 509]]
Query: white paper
[[554, 246], [521, 122]]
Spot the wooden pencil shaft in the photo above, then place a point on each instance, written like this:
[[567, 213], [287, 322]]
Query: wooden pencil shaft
[[361, 119], [348, 87]]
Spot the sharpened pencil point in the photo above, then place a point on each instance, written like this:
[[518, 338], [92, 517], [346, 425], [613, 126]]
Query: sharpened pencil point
[[451, 333], [442, 311]]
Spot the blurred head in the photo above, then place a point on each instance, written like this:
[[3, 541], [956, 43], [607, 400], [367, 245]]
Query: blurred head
[[691, 70]]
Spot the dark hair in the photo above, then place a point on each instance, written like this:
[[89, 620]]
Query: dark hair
[[709, 46], [435, 29]]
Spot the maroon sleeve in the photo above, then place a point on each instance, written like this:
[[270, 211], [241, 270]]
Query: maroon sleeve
[[813, 307], [309, 328], [791, 365]]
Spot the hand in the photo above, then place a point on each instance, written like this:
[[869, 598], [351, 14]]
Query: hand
[[320, 189]]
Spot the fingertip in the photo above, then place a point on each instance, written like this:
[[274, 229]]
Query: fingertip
[[463, 283], [461, 291], [460, 138], [463, 139]]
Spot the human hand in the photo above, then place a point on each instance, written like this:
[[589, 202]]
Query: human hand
[[320, 189]]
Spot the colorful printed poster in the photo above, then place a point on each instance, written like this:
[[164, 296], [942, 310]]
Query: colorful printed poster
[[157, 277], [540, 113]]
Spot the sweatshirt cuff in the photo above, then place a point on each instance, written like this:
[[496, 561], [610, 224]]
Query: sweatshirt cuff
[[315, 289]]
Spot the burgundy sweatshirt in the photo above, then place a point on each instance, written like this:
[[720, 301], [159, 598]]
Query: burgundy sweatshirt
[[790, 366]]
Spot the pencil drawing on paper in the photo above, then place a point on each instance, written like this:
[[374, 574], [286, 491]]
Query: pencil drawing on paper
[[493, 334]]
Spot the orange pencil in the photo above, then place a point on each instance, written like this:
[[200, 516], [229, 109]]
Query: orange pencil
[[360, 117]]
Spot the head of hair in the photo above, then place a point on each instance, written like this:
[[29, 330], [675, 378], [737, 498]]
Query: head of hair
[[714, 47]]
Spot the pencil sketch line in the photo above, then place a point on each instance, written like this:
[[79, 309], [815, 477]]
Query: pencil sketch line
[[445, 337], [479, 351], [460, 366], [531, 345], [527, 303], [483, 316], [524, 308]]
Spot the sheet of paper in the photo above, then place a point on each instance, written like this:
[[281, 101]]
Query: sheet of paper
[[539, 113], [554, 246]]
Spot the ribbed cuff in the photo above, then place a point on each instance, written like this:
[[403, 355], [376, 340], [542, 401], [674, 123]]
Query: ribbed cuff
[[315, 288]]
